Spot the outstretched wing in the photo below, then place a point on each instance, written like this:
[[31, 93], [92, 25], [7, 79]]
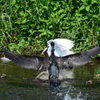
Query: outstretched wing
[[39, 63], [94, 51], [78, 59], [31, 62]]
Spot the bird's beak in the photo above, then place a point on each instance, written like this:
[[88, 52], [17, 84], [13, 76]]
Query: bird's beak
[[44, 50]]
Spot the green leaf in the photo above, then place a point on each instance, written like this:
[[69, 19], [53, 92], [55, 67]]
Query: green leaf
[[88, 8], [82, 7], [32, 0], [94, 1], [22, 13], [24, 21], [95, 16], [51, 26]]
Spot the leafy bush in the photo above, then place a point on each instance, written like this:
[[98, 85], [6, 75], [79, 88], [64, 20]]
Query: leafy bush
[[37, 21]]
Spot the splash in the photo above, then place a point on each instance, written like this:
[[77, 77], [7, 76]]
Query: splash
[[69, 97]]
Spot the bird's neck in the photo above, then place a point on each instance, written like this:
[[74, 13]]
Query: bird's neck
[[52, 55]]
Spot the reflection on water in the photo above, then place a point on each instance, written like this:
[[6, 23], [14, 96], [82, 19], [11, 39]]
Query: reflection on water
[[20, 85]]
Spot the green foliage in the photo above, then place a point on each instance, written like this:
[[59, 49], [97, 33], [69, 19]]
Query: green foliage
[[31, 23]]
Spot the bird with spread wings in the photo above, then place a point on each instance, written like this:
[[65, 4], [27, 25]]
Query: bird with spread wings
[[42, 63]]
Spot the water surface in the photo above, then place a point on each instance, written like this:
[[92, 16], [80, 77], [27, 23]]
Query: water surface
[[20, 85]]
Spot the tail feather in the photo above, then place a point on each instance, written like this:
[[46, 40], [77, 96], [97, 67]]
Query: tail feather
[[55, 82]]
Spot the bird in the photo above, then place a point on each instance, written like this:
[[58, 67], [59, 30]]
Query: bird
[[62, 47], [53, 64], [53, 69]]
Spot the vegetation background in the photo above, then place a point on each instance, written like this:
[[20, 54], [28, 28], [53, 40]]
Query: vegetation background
[[26, 25]]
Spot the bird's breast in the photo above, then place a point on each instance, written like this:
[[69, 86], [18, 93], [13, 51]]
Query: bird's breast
[[54, 71]]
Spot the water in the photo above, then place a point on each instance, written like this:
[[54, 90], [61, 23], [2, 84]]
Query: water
[[20, 85]]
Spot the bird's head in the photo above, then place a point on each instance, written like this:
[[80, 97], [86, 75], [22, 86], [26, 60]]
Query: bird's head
[[50, 44]]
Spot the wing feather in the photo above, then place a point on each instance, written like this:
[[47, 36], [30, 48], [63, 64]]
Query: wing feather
[[31, 62], [94, 51], [78, 59]]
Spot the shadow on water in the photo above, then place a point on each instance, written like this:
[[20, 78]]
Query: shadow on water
[[20, 85]]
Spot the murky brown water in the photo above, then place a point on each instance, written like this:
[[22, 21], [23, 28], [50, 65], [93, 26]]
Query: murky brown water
[[20, 85]]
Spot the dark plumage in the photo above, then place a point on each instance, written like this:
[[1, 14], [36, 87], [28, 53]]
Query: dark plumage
[[52, 63], [53, 69]]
